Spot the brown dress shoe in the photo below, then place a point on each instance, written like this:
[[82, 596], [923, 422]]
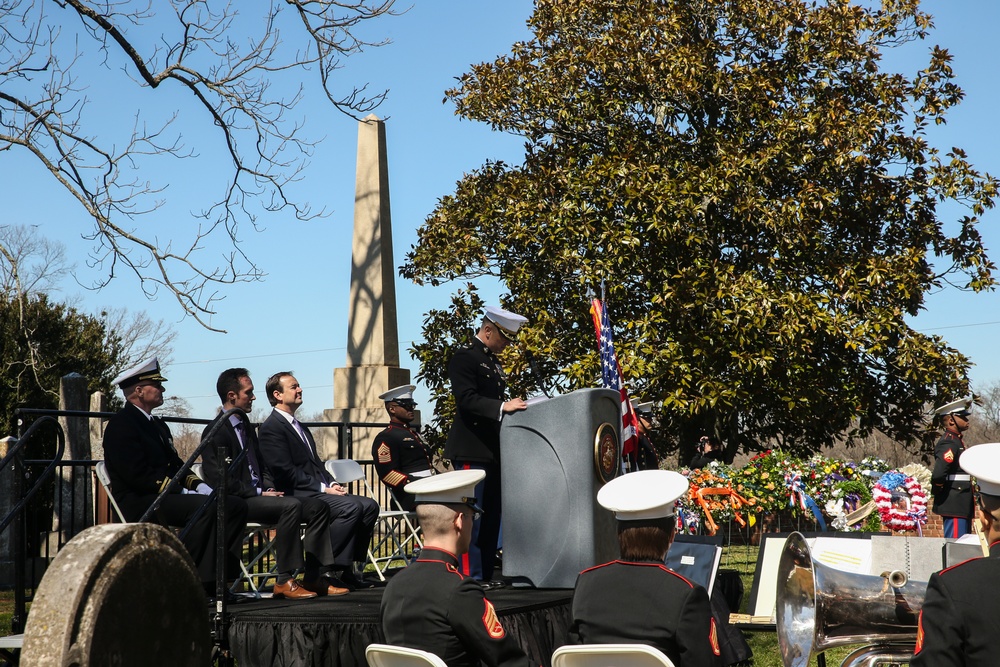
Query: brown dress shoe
[[325, 586], [292, 591]]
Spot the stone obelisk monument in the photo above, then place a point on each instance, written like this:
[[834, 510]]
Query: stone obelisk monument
[[372, 338]]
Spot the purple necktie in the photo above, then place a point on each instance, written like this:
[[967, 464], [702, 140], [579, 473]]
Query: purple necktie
[[251, 457]]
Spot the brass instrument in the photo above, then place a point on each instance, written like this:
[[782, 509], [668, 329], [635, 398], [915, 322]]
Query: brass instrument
[[819, 607]]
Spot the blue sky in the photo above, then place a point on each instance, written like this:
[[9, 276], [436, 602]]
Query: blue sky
[[296, 318]]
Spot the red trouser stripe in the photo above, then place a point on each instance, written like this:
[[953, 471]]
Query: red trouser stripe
[[465, 565]]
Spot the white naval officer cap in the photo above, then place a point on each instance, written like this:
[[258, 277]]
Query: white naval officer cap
[[983, 463], [506, 321], [646, 494], [148, 370], [959, 407], [457, 487], [405, 392]]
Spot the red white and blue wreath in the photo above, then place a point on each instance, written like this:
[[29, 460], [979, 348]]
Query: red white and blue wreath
[[894, 488]]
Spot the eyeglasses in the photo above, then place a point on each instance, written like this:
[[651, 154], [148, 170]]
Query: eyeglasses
[[406, 404], [473, 504]]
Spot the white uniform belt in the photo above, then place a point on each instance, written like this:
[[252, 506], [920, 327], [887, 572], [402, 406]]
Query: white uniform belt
[[428, 473], [959, 478]]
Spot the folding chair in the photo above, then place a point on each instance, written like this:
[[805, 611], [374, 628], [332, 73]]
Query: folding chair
[[384, 655], [395, 520], [10, 648], [257, 547], [610, 655], [101, 470]]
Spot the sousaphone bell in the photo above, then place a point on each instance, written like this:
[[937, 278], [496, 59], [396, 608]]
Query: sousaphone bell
[[819, 607]]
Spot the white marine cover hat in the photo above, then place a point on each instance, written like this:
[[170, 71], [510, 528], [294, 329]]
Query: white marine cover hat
[[506, 321], [646, 494], [983, 463], [959, 407], [645, 408], [404, 391], [457, 487]]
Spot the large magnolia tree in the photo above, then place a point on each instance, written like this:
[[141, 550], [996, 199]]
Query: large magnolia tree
[[757, 194]]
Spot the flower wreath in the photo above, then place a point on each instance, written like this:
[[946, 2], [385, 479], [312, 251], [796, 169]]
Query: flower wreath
[[895, 518]]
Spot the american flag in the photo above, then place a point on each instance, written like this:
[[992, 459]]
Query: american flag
[[611, 374]]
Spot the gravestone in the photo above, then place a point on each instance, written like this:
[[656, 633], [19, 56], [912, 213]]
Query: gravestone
[[73, 501], [119, 594]]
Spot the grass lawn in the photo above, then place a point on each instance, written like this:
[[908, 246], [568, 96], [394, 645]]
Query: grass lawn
[[765, 643], [6, 611]]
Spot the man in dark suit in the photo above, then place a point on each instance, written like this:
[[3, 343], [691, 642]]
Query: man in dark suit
[[141, 460], [478, 384], [290, 452], [399, 454], [960, 620], [252, 481], [952, 486], [430, 605]]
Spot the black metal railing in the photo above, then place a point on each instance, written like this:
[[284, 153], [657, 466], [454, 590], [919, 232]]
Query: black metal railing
[[46, 514]]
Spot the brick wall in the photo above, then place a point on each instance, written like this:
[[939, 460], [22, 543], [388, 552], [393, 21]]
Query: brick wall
[[933, 528]]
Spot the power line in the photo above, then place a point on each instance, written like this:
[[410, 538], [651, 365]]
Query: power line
[[962, 326], [255, 356], [264, 356]]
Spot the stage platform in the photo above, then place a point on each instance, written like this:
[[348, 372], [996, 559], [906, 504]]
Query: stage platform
[[334, 632]]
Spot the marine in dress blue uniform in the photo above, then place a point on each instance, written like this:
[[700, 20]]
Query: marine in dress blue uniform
[[399, 454], [960, 620], [478, 384], [432, 606], [951, 486], [644, 457], [637, 599]]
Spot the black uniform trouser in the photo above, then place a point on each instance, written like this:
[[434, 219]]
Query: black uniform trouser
[[288, 514], [352, 522], [481, 559], [176, 509]]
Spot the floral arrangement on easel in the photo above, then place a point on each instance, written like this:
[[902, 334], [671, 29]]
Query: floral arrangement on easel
[[901, 501], [851, 495]]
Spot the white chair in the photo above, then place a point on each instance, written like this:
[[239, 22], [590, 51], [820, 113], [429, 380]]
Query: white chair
[[384, 655], [101, 470], [257, 561], [610, 655], [10, 648], [394, 520]]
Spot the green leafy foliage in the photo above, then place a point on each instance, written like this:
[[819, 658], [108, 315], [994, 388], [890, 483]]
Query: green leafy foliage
[[758, 196], [41, 341]]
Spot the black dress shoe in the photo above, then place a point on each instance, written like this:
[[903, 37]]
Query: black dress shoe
[[354, 582]]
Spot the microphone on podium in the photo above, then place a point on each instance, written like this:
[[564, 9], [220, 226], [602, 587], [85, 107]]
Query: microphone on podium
[[534, 372]]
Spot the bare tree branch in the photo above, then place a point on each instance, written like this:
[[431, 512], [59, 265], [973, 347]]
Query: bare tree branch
[[234, 59]]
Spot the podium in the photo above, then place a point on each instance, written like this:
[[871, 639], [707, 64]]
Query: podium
[[555, 456]]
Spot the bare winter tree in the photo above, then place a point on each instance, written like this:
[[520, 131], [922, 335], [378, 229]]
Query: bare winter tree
[[187, 437], [242, 67], [985, 422], [141, 336], [29, 262], [31, 266]]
